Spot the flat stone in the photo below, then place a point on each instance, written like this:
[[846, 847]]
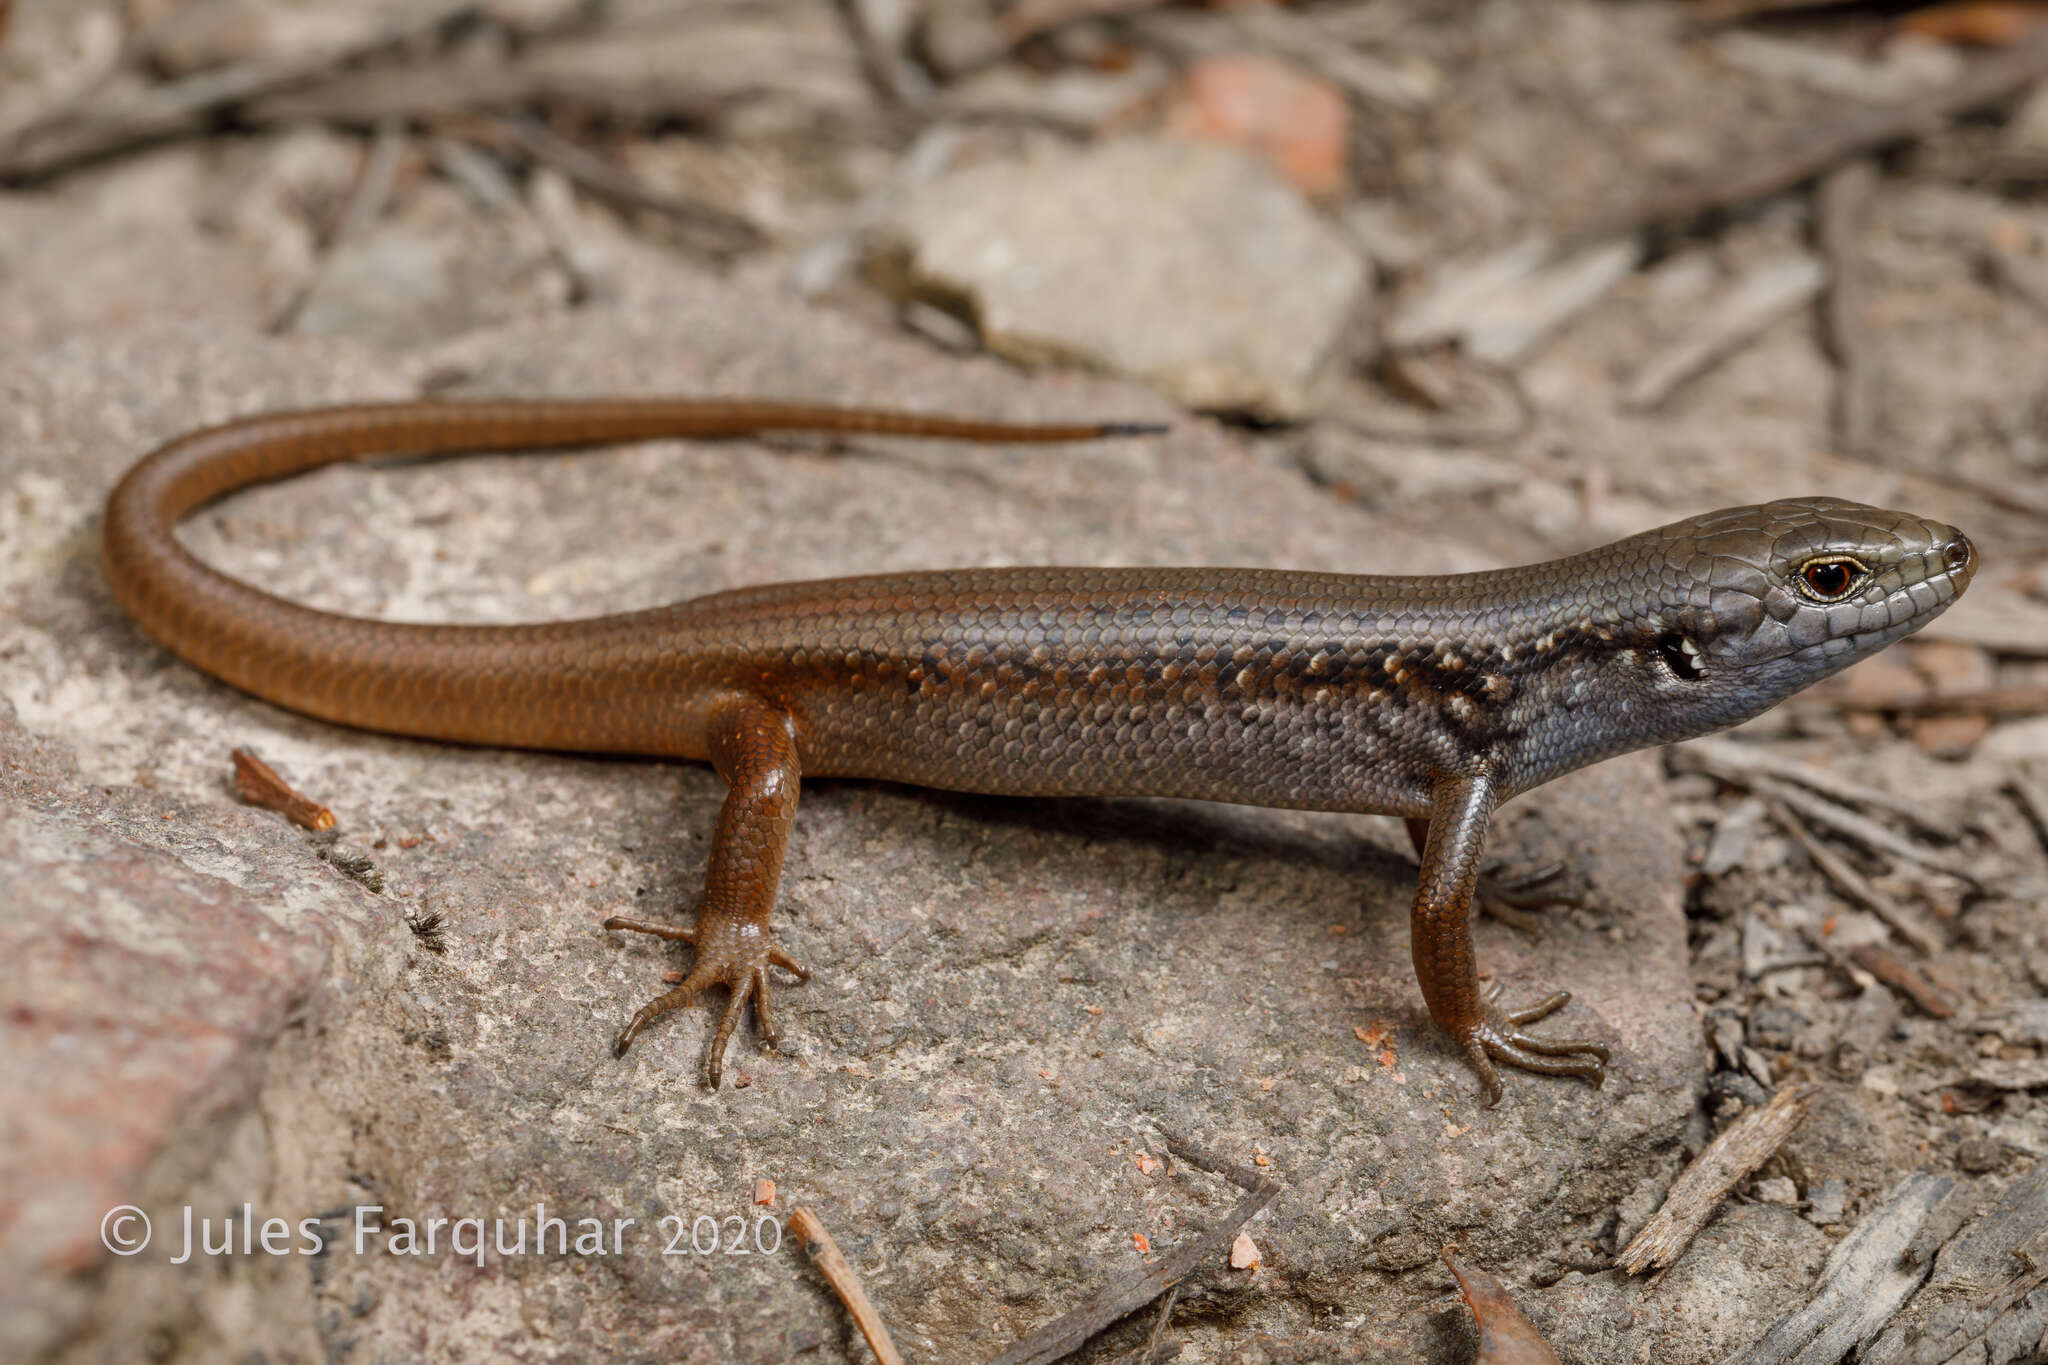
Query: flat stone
[[1191, 267], [1011, 999]]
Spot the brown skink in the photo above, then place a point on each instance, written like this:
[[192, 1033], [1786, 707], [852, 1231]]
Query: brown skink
[[1430, 698]]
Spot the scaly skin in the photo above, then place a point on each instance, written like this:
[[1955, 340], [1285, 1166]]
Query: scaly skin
[[1435, 698]]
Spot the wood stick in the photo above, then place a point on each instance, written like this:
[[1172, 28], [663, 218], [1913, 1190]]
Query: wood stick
[[1852, 884], [845, 1282], [1758, 174], [1866, 1281], [182, 106], [1733, 11], [1739, 763], [1745, 1145], [434, 89], [366, 204], [709, 228], [1741, 313], [2000, 703], [1867, 832], [2032, 795], [1841, 206], [1029, 18], [1151, 1351], [1904, 978], [258, 783]]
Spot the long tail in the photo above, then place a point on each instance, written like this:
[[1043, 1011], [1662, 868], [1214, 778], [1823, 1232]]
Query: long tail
[[445, 682]]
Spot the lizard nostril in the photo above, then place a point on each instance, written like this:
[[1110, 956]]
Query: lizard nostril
[[1959, 554]]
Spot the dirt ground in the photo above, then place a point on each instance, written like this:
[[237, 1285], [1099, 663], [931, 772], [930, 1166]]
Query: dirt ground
[[1419, 287]]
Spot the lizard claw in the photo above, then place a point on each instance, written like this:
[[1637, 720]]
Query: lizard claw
[[1498, 1037], [738, 956], [641, 926]]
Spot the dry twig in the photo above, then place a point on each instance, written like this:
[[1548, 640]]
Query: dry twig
[[883, 30], [706, 226], [1763, 295], [182, 106], [1757, 175], [1982, 1300], [2033, 798], [1733, 11], [258, 783], [1029, 18], [1866, 1281], [1995, 703], [1745, 1145], [1741, 764], [1855, 886], [1864, 831], [845, 1282], [1904, 978], [1152, 1343], [447, 88], [1840, 209], [366, 204]]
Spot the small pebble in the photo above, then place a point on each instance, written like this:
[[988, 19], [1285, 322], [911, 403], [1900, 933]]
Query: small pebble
[[1828, 1203], [1979, 1155], [1296, 121]]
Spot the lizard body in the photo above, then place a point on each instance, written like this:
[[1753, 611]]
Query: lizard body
[[1431, 698]]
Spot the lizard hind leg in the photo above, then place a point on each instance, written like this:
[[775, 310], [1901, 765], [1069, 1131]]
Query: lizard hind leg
[[752, 744]]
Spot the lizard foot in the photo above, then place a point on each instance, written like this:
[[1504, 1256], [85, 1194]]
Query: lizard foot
[[738, 955], [1498, 1036], [1509, 896]]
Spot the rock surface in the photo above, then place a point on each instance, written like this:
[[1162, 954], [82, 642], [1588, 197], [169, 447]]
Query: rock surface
[[1012, 1000], [1188, 266]]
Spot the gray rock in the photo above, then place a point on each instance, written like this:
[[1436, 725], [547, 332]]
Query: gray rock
[[1751, 1264], [1190, 267], [1011, 997], [437, 271]]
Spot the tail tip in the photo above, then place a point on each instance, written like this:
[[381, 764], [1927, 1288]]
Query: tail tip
[[1132, 428]]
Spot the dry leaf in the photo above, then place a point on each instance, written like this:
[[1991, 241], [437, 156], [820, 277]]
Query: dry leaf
[[1505, 1336]]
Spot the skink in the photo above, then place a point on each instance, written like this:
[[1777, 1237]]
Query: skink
[[1430, 698]]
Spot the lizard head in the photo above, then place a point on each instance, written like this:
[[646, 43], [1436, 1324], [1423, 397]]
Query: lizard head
[[1759, 602], [1707, 622]]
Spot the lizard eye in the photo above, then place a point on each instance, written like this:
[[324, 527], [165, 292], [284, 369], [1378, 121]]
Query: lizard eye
[[1832, 578]]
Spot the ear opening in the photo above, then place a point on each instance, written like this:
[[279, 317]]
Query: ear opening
[[1681, 656]]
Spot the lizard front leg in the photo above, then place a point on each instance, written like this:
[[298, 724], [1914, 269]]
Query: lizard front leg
[[753, 746], [1507, 897], [1460, 809]]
